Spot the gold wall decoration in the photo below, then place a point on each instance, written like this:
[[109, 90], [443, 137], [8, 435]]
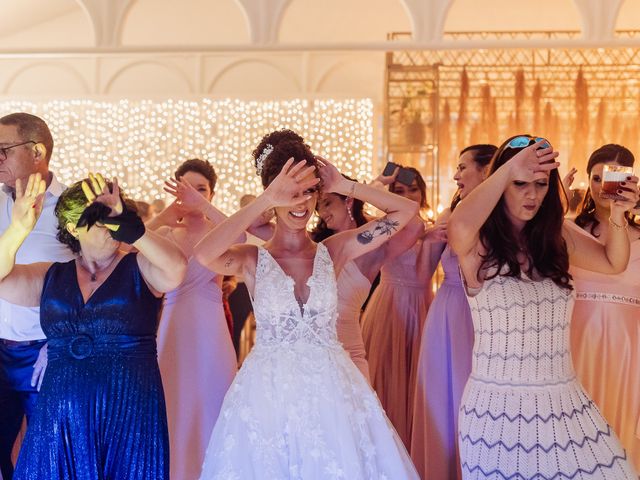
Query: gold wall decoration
[[577, 98]]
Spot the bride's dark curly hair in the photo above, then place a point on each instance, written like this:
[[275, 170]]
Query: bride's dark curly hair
[[284, 144], [542, 235]]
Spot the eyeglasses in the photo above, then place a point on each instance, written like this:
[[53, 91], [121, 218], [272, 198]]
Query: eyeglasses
[[3, 150], [524, 141]]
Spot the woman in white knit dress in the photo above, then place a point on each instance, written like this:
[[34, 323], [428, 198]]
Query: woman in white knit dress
[[524, 415]]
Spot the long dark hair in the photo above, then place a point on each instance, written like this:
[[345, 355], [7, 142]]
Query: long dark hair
[[545, 245], [610, 153], [321, 231], [482, 155]]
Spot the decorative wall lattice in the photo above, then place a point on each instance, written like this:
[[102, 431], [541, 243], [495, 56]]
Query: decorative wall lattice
[[438, 102]]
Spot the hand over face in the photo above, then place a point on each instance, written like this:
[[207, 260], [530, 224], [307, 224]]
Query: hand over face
[[292, 185], [96, 189], [531, 160], [187, 197]]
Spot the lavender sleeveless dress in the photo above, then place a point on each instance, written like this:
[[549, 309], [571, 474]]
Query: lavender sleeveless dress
[[444, 366]]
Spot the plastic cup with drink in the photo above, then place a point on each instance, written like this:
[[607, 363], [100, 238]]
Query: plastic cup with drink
[[612, 177]]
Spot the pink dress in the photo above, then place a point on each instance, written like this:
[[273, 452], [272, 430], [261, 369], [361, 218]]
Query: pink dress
[[605, 341], [197, 363], [353, 289], [392, 329], [444, 366]]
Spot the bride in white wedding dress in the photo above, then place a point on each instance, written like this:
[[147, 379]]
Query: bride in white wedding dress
[[299, 408]]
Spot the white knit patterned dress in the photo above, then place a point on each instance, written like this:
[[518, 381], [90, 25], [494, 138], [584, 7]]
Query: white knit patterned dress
[[524, 415]]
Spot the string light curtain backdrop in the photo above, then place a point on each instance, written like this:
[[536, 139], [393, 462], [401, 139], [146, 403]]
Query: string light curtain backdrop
[[142, 142]]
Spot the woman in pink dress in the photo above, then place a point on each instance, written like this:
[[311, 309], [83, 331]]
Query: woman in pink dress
[[195, 351], [444, 362], [393, 319], [339, 213], [605, 330]]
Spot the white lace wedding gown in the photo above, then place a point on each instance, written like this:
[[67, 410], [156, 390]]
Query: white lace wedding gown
[[299, 408]]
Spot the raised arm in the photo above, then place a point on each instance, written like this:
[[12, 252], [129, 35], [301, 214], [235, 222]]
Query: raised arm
[[217, 250], [465, 222], [188, 199], [346, 246], [436, 237], [162, 263], [169, 217], [22, 284], [612, 256]]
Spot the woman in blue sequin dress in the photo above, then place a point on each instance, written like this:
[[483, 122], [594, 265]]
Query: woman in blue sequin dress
[[101, 412]]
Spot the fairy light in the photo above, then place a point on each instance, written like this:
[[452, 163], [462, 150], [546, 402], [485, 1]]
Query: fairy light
[[142, 142]]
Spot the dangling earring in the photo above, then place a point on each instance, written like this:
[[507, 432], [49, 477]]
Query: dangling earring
[[350, 212]]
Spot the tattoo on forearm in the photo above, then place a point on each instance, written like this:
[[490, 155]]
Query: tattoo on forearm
[[384, 226], [228, 263]]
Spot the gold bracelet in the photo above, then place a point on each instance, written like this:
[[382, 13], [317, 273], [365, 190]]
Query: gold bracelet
[[618, 227]]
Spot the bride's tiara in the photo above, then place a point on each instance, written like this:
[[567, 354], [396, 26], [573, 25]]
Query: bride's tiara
[[263, 156]]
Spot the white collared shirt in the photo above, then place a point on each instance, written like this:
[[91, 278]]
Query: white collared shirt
[[23, 323]]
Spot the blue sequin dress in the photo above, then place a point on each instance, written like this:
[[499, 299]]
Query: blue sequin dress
[[101, 410]]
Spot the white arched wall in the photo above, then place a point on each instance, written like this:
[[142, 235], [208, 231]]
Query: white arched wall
[[334, 21], [46, 78], [184, 22], [350, 77], [255, 78], [280, 48], [153, 78]]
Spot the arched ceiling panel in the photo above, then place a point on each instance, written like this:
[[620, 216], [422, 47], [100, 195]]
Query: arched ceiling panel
[[184, 22], [512, 15], [629, 16], [44, 24], [335, 21]]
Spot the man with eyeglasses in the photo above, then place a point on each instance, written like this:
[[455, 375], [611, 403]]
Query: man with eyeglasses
[[25, 148]]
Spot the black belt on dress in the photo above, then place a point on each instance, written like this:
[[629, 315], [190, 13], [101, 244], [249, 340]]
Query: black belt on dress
[[84, 345]]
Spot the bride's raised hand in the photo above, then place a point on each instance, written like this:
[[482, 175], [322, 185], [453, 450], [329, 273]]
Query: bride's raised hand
[[28, 205], [538, 157], [291, 185]]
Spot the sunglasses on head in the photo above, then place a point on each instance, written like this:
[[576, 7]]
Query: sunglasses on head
[[524, 141]]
